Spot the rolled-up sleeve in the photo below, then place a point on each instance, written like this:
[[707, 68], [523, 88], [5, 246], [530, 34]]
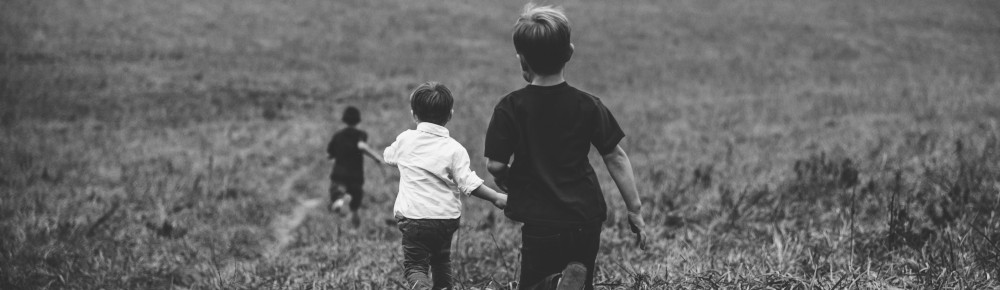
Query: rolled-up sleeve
[[463, 176]]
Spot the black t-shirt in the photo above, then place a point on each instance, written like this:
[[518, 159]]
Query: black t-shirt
[[549, 131], [343, 147]]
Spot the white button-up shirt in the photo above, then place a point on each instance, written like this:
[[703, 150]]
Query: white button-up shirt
[[433, 171]]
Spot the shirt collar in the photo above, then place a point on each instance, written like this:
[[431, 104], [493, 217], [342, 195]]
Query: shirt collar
[[432, 129]]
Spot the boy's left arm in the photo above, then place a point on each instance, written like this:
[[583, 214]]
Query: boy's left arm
[[470, 184], [486, 193], [620, 168]]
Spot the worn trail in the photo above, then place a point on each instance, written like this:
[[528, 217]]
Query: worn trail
[[282, 228]]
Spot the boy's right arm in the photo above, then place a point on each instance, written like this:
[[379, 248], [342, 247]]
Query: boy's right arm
[[499, 171], [331, 150], [389, 154], [620, 168], [501, 137]]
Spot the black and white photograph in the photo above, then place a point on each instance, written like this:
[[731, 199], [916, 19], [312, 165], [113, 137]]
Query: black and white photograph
[[499, 145]]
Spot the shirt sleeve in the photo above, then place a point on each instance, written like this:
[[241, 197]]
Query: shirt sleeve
[[463, 176], [501, 136], [390, 155], [607, 133]]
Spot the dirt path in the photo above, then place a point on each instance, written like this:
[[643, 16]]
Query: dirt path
[[282, 228]]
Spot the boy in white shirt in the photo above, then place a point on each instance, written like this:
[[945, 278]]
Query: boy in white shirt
[[433, 172]]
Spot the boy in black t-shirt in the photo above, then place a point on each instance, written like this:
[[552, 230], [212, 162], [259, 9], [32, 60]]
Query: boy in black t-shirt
[[549, 127], [346, 149]]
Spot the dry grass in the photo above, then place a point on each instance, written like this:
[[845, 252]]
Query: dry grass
[[800, 144]]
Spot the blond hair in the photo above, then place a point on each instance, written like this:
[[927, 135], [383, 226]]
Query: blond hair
[[542, 37]]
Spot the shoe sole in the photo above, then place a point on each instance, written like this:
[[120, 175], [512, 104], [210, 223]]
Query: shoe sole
[[337, 207], [573, 277]]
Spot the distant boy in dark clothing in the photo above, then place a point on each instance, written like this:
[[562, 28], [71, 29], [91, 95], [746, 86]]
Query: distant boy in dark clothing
[[346, 149], [549, 128]]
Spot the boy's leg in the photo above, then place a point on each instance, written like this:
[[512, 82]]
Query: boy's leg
[[546, 251], [336, 193], [416, 254], [586, 243], [543, 256], [336, 190], [356, 190], [441, 259]]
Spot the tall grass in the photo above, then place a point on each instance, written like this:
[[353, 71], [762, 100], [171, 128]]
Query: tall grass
[[785, 144]]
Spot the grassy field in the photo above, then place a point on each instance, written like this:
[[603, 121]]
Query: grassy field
[[802, 144]]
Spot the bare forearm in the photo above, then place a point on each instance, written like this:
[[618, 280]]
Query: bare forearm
[[488, 194], [374, 155], [367, 150], [620, 168]]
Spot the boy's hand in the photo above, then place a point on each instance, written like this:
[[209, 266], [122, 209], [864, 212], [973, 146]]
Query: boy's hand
[[638, 225], [501, 202]]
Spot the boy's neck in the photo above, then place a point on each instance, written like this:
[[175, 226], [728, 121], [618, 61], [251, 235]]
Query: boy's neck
[[432, 123], [549, 80]]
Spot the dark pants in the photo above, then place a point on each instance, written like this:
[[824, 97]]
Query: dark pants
[[427, 244], [353, 187], [545, 252]]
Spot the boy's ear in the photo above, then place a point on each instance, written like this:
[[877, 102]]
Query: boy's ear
[[526, 71], [569, 54]]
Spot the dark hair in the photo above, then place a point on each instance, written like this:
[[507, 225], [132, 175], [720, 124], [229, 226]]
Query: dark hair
[[541, 36], [432, 102], [352, 116]]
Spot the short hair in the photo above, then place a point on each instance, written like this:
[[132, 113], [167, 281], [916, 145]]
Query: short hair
[[541, 36], [432, 102], [352, 116]]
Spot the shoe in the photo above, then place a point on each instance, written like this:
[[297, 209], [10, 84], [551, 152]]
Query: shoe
[[573, 277], [337, 206]]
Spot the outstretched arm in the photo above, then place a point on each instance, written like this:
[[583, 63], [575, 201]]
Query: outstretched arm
[[486, 193], [469, 183], [620, 168], [370, 152]]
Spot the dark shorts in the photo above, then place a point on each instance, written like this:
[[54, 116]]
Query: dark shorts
[[353, 187], [545, 252]]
